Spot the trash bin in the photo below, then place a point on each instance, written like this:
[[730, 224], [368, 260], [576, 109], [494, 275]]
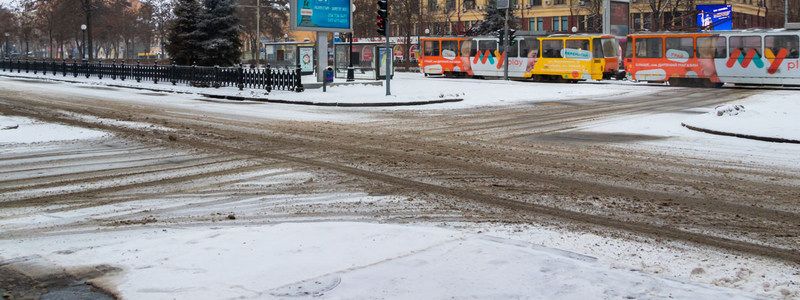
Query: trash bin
[[327, 78]]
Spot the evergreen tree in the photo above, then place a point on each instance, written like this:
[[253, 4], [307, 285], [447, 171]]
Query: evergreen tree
[[493, 20], [219, 32], [183, 44]]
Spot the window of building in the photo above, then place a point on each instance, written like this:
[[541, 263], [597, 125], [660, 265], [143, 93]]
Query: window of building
[[529, 47], [559, 2], [535, 2], [745, 44], [649, 48], [432, 5], [681, 47], [556, 24], [450, 4], [712, 47], [637, 22], [487, 45], [431, 48], [776, 43], [539, 24], [552, 48], [565, 23], [469, 4]]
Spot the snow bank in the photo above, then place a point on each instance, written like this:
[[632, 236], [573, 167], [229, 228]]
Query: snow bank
[[406, 87], [345, 260], [768, 115], [19, 130]]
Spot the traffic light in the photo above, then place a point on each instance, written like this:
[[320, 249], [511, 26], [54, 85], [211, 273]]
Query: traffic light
[[383, 16], [501, 35], [512, 34]]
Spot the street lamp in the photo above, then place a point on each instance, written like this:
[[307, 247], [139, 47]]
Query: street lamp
[[83, 44], [5, 44], [427, 31], [350, 72]]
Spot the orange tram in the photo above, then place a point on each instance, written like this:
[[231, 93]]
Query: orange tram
[[706, 59]]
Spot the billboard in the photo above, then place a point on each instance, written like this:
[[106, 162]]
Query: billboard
[[321, 15], [715, 17]]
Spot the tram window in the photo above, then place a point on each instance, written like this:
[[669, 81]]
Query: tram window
[[513, 50], [466, 48], [778, 42], [473, 50], [578, 44], [712, 47], [529, 48], [745, 43], [490, 45], [610, 47], [649, 48], [552, 48], [681, 44], [629, 48], [431, 48], [597, 48], [449, 46]]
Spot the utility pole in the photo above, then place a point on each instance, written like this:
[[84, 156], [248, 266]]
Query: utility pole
[[382, 23], [607, 17], [505, 44], [258, 34], [258, 31], [388, 55], [87, 7]]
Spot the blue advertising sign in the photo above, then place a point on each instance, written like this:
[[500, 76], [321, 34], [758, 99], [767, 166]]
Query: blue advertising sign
[[322, 15], [715, 17]]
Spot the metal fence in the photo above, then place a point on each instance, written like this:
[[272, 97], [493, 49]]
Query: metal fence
[[267, 78]]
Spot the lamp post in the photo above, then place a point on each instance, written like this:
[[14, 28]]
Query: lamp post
[[5, 44], [83, 43], [350, 72]]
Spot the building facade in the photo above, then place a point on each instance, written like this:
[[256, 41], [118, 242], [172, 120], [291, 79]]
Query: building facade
[[456, 17]]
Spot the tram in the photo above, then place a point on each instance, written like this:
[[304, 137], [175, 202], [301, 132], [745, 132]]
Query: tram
[[711, 59], [555, 57], [577, 57]]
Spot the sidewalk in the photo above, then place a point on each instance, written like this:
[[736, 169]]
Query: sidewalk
[[408, 89], [351, 95]]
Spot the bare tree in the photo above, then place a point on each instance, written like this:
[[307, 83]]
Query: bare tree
[[273, 18], [592, 9]]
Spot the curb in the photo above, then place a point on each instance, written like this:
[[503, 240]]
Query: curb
[[266, 100], [739, 135]]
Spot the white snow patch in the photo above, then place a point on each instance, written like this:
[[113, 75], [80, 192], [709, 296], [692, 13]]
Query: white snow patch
[[770, 114], [407, 87], [23, 130], [346, 260]]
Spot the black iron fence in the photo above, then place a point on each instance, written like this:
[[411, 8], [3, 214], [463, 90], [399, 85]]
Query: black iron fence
[[267, 78]]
